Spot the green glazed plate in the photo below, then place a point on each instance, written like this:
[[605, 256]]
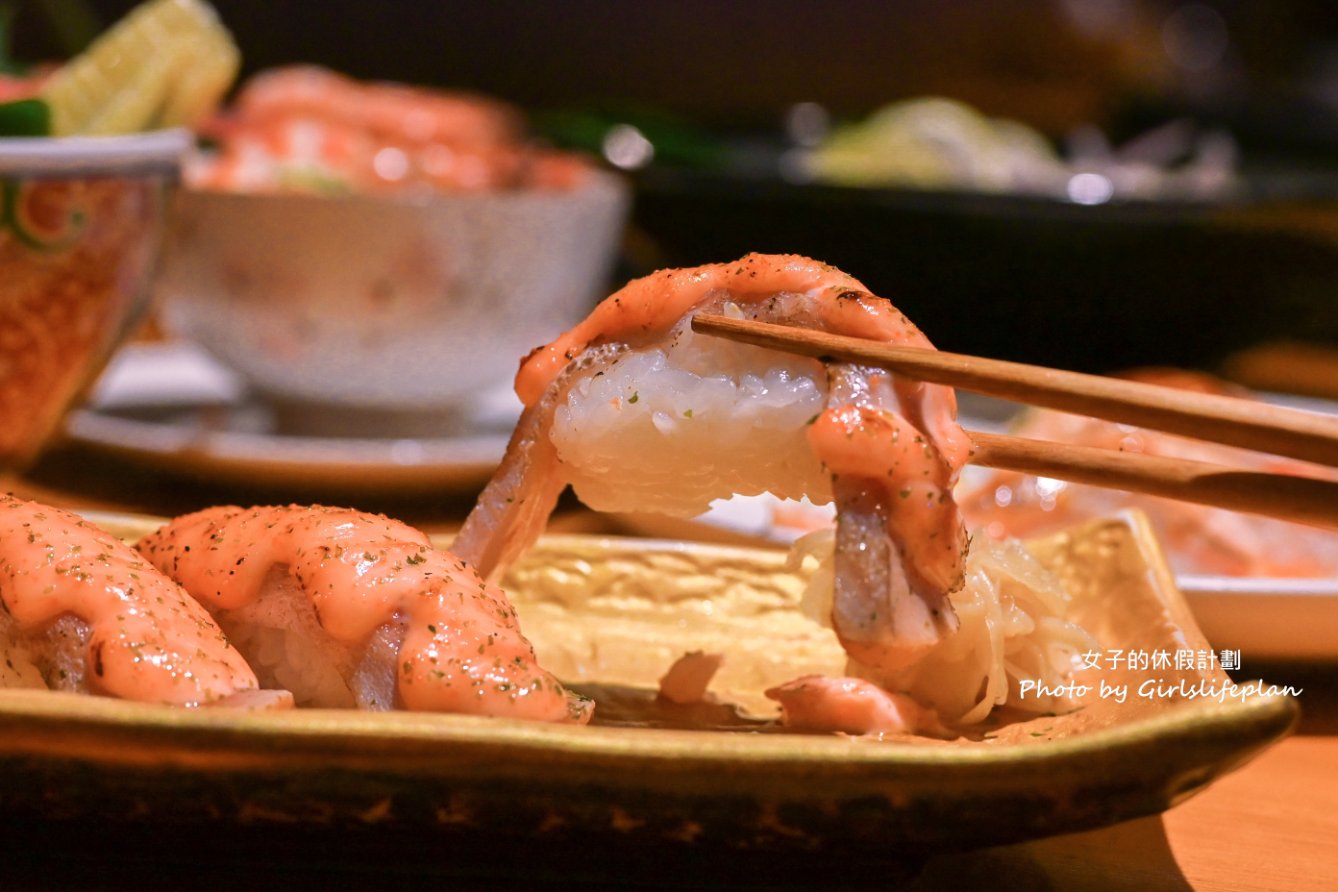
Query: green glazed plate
[[609, 616]]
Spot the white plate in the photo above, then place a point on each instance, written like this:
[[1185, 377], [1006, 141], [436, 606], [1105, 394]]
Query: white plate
[[1279, 619], [171, 407]]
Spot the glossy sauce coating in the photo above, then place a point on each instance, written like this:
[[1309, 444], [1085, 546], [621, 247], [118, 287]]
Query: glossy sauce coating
[[149, 640], [916, 498], [463, 650]]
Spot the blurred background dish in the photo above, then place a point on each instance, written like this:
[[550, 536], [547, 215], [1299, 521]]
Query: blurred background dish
[[381, 248], [1091, 186], [1187, 164], [79, 241], [171, 409], [304, 128], [90, 151], [937, 143], [1091, 286], [385, 305]]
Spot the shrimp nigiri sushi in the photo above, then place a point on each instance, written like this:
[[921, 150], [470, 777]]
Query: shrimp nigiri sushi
[[84, 612], [348, 609], [637, 412]]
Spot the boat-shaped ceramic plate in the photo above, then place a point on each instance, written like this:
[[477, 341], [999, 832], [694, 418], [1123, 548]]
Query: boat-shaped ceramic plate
[[610, 615]]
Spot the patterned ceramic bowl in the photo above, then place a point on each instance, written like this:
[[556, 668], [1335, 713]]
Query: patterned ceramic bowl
[[386, 305], [80, 234]]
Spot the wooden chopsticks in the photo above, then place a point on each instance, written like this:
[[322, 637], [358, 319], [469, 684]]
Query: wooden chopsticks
[[1288, 497], [1244, 423], [1221, 419]]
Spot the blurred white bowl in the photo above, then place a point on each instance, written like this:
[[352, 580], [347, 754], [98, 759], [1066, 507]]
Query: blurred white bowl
[[395, 305]]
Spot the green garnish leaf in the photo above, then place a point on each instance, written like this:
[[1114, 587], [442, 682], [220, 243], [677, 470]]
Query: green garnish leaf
[[25, 117]]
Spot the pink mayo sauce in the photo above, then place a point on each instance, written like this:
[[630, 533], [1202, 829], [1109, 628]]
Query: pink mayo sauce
[[150, 641], [463, 650]]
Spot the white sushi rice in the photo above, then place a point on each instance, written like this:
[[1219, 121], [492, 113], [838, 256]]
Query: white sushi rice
[[672, 427], [280, 636], [55, 657], [16, 665]]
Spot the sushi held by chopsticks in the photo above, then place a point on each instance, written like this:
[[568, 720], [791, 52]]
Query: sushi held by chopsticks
[[638, 412]]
